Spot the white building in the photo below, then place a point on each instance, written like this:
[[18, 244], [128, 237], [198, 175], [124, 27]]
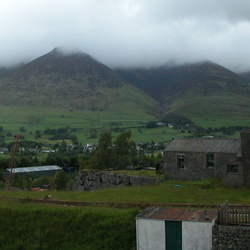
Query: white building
[[174, 228]]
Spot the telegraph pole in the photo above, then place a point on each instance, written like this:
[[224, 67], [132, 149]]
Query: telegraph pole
[[12, 162]]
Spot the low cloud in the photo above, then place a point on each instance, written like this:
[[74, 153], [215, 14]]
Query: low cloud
[[128, 33]]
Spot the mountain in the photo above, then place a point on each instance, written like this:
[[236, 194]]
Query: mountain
[[193, 89], [75, 80], [165, 82], [3, 72], [246, 75]]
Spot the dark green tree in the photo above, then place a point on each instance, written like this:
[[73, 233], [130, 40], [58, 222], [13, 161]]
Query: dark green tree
[[115, 155], [103, 157], [176, 119], [22, 129], [43, 180], [4, 162], [124, 150], [151, 124], [61, 180]]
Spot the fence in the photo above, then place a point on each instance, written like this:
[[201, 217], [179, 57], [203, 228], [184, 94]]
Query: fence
[[233, 214]]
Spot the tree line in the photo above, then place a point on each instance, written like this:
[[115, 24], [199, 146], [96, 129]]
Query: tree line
[[111, 153]]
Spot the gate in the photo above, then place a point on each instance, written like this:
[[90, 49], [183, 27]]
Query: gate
[[233, 214]]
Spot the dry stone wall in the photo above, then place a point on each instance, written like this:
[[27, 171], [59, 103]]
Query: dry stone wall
[[231, 237], [87, 181]]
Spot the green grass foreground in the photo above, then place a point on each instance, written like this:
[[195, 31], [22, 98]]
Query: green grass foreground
[[28, 226], [201, 192]]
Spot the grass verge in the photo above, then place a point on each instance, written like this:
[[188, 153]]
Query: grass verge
[[28, 226], [200, 192]]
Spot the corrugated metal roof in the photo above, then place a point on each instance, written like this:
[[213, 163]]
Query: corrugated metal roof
[[179, 214], [205, 145], [35, 169]]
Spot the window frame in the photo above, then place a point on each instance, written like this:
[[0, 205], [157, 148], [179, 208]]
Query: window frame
[[210, 162], [233, 169], [180, 161]]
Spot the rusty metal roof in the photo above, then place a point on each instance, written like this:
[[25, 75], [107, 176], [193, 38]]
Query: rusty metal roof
[[205, 145], [179, 214]]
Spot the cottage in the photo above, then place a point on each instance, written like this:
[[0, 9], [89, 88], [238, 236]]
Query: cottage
[[175, 228], [200, 158]]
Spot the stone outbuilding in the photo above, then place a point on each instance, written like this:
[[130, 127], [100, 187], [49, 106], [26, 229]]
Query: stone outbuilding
[[200, 158]]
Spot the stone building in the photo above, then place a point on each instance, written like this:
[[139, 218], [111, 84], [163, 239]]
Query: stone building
[[200, 158]]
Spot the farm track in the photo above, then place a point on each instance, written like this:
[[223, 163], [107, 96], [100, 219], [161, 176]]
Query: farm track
[[119, 205]]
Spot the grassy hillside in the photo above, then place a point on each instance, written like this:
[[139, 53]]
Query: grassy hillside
[[196, 90], [27, 226], [222, 105], [77, 92], [75, 80]]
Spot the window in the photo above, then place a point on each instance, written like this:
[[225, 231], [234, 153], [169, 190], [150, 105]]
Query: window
[[232, 169], [210, 160], [180, 160]]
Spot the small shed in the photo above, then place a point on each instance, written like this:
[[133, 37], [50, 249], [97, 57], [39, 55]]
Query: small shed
[[35, 171], [174, 228]]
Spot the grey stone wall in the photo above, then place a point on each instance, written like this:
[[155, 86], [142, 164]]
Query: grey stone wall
[[195, 166], [90, 180], [231, 237]]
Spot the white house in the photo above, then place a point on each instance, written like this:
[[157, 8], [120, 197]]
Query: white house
[[174, 228]]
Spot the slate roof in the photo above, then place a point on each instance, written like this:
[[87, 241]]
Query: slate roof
[[179, 214], [205, 145], [35, 169]]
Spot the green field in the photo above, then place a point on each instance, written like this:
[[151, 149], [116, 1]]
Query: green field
[[86, 122], [89, 123], [46, 226], [200, 192]]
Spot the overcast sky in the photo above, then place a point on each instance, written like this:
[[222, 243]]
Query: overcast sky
[[129, 32]]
